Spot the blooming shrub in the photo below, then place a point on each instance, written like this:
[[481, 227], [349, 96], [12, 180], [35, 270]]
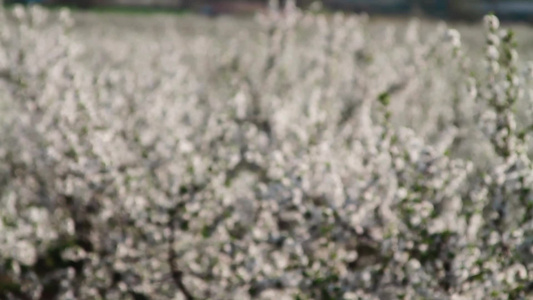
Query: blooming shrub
[[298, 158]]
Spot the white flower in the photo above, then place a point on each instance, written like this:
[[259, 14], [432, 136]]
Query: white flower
[[25, 253], [491, 22], [19, 12], [454, 37], [492, 52], [493, 39], [493, 238], [65, 17]]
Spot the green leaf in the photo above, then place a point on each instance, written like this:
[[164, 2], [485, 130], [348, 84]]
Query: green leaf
[[384, 98], [206, 231]]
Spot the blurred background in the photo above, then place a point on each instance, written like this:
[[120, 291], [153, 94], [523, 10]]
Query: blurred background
[[519, 10]]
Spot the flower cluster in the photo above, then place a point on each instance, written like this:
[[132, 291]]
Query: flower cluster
[[294, 156]]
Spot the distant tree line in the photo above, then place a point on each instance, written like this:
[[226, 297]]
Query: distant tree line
[[472, 9]]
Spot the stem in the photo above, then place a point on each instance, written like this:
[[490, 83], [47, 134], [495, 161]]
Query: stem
[[176, 272]]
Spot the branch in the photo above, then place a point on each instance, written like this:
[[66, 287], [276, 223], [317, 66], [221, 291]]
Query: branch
[[176, 272]]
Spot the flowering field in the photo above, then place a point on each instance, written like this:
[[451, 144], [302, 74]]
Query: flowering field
[[293, 156]]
